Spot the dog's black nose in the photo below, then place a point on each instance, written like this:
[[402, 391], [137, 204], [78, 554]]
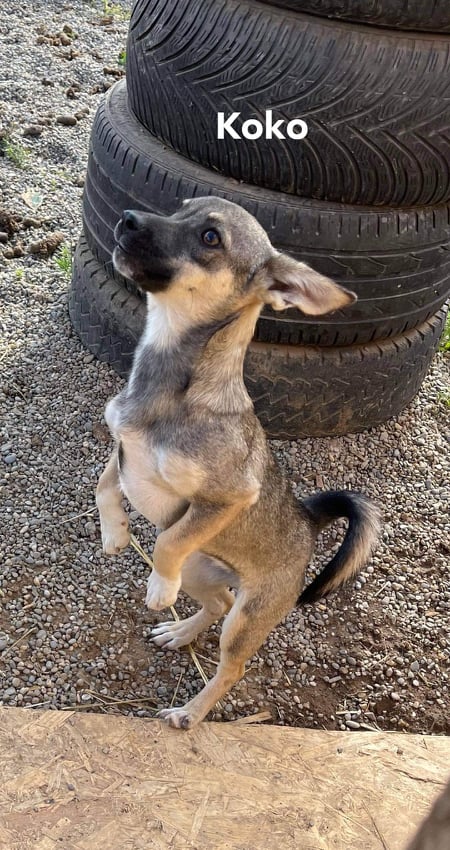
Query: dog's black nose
[[130, 220]]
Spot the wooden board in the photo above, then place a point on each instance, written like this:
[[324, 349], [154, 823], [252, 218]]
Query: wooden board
[[75, 781]]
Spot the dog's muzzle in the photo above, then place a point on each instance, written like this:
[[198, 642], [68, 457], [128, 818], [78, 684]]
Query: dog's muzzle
[[139, 255]]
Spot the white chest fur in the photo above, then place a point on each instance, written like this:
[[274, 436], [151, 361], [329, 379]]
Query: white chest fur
[[143, 483], [143, 473]]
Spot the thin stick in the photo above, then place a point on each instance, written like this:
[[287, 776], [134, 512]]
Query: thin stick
[[84, 706], [176, 690], [209, 660], [109, 700], [25, 634], [104, 701], [380, 589], [77, 516], [260, 717]]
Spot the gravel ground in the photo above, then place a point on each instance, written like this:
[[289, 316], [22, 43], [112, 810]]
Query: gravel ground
[[73, 630]]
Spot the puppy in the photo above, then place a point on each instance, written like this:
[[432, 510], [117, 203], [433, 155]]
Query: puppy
[[190, 454]]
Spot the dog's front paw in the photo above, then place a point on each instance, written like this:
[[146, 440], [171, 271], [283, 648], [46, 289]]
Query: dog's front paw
[[178, 718], [161, 592], [115, 537]]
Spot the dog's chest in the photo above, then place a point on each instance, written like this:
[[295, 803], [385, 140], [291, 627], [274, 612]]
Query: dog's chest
[[141, 472]]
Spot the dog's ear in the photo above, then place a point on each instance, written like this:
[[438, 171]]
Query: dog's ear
[[289, 283]]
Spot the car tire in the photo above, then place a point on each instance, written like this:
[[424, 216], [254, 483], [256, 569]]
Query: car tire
[[375, 100]]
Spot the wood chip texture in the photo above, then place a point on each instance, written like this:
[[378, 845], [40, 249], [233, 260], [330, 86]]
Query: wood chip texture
[[83, 781]]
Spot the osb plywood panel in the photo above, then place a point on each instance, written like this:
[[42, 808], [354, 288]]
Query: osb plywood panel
[[74, 781]]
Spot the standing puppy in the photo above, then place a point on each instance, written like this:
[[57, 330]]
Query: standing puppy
[[190, 454]]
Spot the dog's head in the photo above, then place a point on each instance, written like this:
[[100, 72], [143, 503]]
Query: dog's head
[[212, 258]]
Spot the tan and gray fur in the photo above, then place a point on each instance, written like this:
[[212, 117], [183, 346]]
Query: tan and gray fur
[[190, 454]]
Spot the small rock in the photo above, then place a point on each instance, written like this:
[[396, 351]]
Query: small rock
[[9, 459], [66, 120], [3, 237], [114, 72], [13, 253], [10, 222], [101, 432], [47, 245], [33, 130], [31, 222], [9, 692]]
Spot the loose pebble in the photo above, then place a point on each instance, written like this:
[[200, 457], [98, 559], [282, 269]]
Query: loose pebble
[[33, 130], [66, 120]]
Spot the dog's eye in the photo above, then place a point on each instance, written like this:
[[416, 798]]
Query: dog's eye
[[211, 238]]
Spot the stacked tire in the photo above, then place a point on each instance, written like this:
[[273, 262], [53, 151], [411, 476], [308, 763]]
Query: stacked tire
[[363, 198]]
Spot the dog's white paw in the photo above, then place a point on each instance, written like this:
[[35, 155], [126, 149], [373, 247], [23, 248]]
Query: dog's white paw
[[115, 538], [172, 635], [178, 718], [161, 592]]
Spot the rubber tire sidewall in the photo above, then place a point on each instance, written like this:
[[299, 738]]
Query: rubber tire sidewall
[[383, 13]]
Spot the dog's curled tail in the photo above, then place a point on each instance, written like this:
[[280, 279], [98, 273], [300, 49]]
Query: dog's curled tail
[[364, 524]]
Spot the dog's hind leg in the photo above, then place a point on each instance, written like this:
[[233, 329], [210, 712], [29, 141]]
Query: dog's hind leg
[[113, 519], [207, 580], [247, 625]]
